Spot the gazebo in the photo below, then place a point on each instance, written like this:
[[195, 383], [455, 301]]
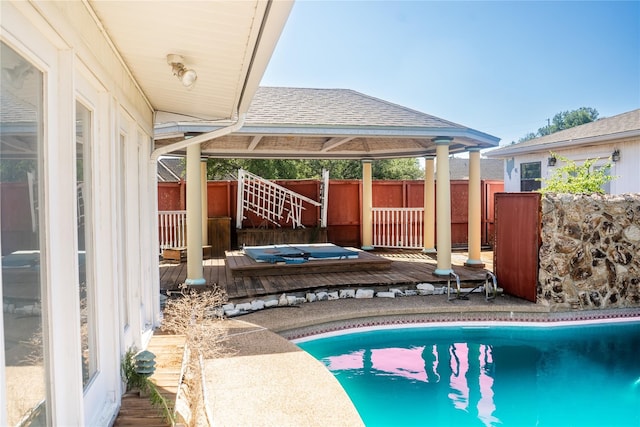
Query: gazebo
[[302, 123]]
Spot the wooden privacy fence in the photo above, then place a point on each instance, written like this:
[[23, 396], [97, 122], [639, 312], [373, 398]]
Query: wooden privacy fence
[[397, 213]]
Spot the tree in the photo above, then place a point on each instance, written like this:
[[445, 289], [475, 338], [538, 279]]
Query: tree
[[312, 169], [564, 120], [577, 179]]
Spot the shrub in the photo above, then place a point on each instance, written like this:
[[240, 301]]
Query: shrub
[[577, 179]]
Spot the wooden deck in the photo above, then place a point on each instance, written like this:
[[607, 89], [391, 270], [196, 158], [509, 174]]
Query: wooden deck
[[403, 268], [138, 411]]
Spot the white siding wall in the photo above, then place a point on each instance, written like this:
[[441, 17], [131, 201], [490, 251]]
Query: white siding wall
[[626, 171], [64, 41]]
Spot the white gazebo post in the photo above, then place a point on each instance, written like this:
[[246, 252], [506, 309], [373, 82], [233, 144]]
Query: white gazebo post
[[429, 219], [367, 204], [195, 274], [443, 207], [475, 220], [204, 199]]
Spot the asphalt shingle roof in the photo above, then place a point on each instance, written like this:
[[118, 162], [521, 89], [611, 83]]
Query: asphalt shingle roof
[[334, 107], [618, 124]]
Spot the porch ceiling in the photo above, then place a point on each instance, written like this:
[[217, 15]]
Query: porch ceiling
[[298, 123], [228, 44]]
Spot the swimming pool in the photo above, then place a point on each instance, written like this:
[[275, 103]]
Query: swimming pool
[[489, 374]]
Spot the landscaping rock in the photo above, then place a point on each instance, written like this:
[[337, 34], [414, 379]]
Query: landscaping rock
[[347, 293], [364, 293], [245, 306], [333, 295], [271, 303], [283, 301], [257, 305], [386, 295]]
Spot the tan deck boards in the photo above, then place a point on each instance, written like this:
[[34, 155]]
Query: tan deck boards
[[406, 268], [138, 411]]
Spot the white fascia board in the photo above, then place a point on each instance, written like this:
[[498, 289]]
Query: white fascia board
[[504, 152], [273, 22], [378, 131], [167, 130]]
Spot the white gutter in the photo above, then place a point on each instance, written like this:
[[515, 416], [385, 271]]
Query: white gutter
[[203, 137]]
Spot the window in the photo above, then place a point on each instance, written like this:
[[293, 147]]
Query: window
[[21, 160], [530, 174], [606, 187], [85, 286]]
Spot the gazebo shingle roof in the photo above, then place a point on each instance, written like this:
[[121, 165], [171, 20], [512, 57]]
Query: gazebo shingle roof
[[285, 122], [334, 107]]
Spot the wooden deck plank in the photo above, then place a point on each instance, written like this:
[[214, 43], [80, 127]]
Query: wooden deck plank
[[405, 268], [138, 411]]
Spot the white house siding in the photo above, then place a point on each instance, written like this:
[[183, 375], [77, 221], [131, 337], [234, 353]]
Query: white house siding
[[626, 170], [62, 40]]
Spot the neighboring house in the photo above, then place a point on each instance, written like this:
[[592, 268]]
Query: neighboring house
[[171, 169], [614, 138], [82, 83], [490, 169]]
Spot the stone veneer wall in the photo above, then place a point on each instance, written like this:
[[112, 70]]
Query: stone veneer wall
[[590, 252]]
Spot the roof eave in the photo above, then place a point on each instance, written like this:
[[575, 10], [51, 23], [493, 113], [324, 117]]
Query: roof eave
[[272, 25], [505, 152], [168, 130]]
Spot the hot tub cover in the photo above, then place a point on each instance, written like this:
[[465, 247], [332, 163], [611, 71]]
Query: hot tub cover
[[294, 254]]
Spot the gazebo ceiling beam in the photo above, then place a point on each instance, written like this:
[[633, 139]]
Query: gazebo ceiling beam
[[332, 143], [254, 142]]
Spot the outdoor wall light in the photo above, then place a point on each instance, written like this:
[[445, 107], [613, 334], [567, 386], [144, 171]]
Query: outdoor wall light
[[187, 76], [551, 161], [615, 156]]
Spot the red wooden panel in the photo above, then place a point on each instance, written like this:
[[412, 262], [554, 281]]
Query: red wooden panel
[[344, 203], [344, 235], [16, 208], [169, 196], [459, 212], [387, 194], [308, 188], [415, 194], [515, 253], [219, 199]]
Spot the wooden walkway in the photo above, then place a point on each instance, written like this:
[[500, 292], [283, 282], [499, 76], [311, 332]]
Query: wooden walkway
[[138, 411], [407, 268]]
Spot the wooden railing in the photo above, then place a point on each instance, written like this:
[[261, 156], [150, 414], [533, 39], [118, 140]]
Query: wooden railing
[[172, 227], [398, 227]]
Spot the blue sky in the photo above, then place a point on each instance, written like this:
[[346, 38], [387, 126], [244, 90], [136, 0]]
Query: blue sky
[[501, 67]]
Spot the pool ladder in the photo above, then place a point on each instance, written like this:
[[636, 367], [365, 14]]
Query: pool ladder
[[458, 293], [490, 287]]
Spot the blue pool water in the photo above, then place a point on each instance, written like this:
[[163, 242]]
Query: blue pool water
[[488, 375]]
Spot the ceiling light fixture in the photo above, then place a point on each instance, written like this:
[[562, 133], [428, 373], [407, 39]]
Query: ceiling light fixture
[[187, 76]]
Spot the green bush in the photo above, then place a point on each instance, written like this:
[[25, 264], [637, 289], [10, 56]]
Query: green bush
[[577, 179]]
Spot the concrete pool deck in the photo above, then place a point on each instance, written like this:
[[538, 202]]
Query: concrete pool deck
[[267, 380]]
